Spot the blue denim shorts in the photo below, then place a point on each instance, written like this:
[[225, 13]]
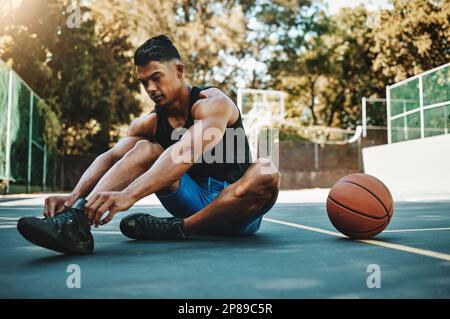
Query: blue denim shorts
[[193, 195]]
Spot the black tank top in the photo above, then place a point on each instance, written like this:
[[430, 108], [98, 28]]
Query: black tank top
[[235, 160]]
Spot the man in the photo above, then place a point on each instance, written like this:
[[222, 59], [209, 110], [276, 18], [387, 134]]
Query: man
[[223, 198]]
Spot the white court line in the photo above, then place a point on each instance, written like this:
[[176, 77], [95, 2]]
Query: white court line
[[107, 232], [413, 250], [112, 232], [415, 229], [9, 218], [7, 226], [19, 208]]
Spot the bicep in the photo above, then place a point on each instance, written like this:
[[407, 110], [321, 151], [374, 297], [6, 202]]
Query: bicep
[[213, 112], [211, 117], [139, 129], [143, 127]]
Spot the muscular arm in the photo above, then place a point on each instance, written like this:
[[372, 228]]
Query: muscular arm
[[139, 129], [212, 114]]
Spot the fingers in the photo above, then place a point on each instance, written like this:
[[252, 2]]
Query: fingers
[[97, 206], [46, 213], [103, 209], [101, 203], [92, 206], [56, 204], [108, 218], [49, 210], [59, 207], [70, 201]]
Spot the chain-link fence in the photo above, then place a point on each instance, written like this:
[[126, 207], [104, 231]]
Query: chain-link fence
[[27, 160], [419, 107]]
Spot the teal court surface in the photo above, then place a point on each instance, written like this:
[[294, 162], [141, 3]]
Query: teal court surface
[[296, 254]]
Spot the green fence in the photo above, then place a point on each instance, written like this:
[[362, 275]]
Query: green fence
[[27, 162], [419, 107]]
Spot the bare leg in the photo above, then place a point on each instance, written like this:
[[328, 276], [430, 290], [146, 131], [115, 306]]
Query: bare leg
[[237, 203]]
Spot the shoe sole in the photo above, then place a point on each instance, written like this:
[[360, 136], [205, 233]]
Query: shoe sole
[[41, 238]]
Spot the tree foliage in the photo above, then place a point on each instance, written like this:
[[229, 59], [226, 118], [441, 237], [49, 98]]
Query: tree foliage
[[85, 73], [204, 32], [412, 38], [339, 59]]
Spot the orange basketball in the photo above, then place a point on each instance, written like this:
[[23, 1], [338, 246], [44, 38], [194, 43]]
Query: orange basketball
[[360, 206]]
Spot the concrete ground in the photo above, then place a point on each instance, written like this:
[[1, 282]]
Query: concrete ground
[[296, 254]]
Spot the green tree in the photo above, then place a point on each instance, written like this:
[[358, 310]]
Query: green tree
[[412, 37], [332, 69], [85, 74], [352, 73], [206, 33]]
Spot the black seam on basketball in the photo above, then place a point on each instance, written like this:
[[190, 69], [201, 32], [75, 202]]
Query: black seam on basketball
[[367, 231], [353, 210], [391, 208], [362, 232], [369, 191], [387, 190]]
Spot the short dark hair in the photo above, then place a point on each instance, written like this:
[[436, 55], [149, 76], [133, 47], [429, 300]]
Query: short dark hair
[[159, 48]]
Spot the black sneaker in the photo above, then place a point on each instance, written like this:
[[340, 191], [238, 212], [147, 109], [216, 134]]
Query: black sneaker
[[145, 226], [68, 232]]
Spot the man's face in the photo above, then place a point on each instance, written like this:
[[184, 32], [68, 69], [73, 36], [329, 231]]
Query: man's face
[[161, 80]]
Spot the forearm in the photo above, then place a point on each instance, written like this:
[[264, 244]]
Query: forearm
[[163, 173], [93, 174]]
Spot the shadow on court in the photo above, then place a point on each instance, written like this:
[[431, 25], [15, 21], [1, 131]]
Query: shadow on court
[[298, 260]]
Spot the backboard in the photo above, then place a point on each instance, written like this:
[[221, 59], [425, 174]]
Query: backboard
[[259, 109]]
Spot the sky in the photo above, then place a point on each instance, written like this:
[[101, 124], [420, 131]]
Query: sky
[[335, 5]]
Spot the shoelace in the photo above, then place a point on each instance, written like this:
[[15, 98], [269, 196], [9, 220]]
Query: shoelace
[[160, 224], [64, 217]]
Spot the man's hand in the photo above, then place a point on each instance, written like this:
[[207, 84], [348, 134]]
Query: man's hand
[[103, 202], [55, 204]]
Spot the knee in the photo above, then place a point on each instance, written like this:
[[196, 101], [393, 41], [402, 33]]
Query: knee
[[144, 151], [263, 181], [267, 186], [271, 186], [267, 174]]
